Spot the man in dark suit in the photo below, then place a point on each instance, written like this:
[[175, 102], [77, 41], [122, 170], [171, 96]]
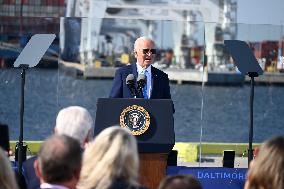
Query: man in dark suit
[[157, 82], [59, 162], [73, 121]]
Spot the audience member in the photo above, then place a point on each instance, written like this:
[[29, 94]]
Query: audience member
[[76, 122], [59, 162], [180, 182], [111, 161], [267, 169], [73, 121], [7, 175]]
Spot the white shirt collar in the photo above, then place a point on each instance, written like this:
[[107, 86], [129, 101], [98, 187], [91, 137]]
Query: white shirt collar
[[52, 186], [140, 69]]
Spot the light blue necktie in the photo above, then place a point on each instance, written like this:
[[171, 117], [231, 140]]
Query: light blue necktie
[[145, 95]]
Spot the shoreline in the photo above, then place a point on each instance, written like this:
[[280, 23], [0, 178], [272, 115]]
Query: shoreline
[[188, 152], [176, 75]]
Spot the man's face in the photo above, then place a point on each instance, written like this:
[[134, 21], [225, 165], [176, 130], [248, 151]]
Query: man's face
[[145, 53]]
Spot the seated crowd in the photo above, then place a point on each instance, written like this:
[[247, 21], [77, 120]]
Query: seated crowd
[[71, 159]]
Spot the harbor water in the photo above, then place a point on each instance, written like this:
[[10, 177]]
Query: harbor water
[[223, 118]]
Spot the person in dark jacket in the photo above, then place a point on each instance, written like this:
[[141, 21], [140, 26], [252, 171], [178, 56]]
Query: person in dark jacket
[[59, 162], [73, 121], [157, 82]]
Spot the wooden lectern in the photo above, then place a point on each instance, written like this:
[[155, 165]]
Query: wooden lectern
[[152, 169], [154, 144]]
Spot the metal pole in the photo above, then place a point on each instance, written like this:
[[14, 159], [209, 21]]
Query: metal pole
[[22, 108], [250, 150]]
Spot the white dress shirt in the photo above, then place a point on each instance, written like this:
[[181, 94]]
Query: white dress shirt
[[140, 70]]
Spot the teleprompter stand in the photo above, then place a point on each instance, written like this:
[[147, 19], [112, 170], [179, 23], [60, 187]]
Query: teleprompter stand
[[247, 65], [29, 57]]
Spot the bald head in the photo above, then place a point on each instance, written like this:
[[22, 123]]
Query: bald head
[[59, 159]]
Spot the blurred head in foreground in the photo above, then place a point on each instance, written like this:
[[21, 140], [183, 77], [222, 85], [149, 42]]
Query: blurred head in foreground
[[180, 182], [7, 175], [76, 122], [59, 161], [267, 169], [110, 160]]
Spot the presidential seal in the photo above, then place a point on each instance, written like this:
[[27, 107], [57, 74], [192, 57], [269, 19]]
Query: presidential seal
[[136, 119]]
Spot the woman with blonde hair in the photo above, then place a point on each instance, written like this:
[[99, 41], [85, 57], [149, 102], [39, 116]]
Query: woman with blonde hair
[[7, 175], [267, 169], [110, 161]]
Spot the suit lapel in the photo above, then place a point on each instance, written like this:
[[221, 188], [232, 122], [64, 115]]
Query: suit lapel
[[134, 72], [154, 82]]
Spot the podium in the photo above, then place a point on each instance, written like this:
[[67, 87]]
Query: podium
[[155, 136]]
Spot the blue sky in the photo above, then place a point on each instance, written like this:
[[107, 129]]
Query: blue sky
[[260, 20], [261, 11]]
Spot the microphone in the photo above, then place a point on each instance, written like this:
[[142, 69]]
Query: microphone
[[141, 81], [130, 82]]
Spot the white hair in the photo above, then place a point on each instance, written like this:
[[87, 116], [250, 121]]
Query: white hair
[[141, 39], [76, 122]]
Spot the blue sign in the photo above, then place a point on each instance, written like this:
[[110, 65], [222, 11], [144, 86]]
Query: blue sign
[[213, 177]]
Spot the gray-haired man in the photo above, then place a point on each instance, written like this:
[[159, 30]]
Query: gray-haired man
[[73, 121]]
